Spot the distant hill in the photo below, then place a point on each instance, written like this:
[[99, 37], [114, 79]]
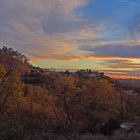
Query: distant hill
[[133, 82]]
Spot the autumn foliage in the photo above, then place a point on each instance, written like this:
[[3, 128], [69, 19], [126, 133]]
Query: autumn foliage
[[58, 103]]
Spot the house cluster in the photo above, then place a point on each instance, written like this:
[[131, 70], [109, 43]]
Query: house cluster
[[91, 74]]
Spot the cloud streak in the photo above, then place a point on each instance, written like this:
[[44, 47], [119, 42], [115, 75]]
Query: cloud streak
[[130, 3]]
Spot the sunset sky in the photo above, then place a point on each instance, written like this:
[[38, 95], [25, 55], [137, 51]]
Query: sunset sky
[[74, 34]]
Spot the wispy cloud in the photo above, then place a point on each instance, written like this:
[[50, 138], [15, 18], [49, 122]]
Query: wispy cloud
[[130, 2]]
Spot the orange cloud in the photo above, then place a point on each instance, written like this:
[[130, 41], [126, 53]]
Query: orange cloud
[[35, 59], [78, 58]]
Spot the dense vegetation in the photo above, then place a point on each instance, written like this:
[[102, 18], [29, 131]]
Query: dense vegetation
[[37, 103]]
